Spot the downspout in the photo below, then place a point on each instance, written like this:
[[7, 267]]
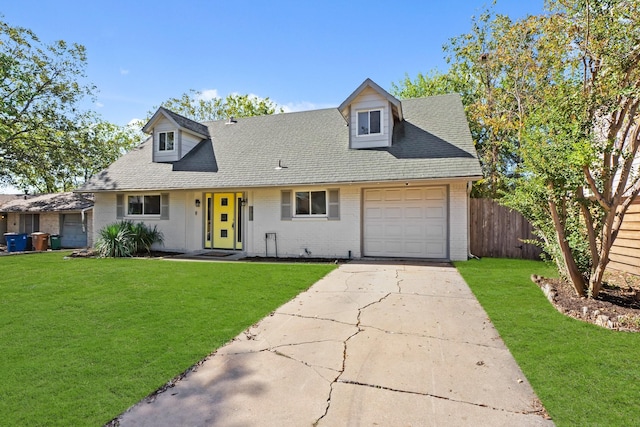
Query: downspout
[[469, 254], [82, 217]]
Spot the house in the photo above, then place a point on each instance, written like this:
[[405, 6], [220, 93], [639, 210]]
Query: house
[[625, 252], [375, 177], [4, 198], [66, 214]]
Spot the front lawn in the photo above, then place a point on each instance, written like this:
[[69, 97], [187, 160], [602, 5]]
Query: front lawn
[[583, 374], [84, 339]]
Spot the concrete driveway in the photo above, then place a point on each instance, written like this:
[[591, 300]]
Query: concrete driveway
[[370, 344]]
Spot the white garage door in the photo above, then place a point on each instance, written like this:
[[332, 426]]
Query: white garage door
[[406, 222]]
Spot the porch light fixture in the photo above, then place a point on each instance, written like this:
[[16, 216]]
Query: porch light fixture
[[243, 202], [197, 203]]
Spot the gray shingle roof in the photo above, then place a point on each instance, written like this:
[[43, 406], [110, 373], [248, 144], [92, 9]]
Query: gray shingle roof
[[181, 121], [53, 202], [433, 142]]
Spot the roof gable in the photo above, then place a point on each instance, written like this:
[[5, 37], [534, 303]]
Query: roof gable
[[395, 103], [179, 122]]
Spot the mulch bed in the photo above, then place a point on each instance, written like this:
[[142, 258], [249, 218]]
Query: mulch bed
[[616, 307]]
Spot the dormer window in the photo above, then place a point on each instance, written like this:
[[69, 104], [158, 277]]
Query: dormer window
[[369, 122], [371, 114], [166, 141]]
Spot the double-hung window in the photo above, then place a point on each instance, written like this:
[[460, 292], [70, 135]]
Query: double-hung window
[[311, 203], [369, 122], [143, 205], [166, 141]]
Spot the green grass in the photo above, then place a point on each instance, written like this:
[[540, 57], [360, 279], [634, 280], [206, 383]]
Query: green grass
[[583, 374], [81, 340]]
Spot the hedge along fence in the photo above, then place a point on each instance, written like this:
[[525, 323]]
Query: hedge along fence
[[625, 252], [497, 231]]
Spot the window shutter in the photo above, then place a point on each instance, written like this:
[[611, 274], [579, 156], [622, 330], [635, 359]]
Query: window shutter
[[285, 205], [164, 206], [119, 206], [334, 204]]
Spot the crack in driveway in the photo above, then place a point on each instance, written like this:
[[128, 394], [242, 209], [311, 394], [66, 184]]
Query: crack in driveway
[[435, 396], [344, 354]]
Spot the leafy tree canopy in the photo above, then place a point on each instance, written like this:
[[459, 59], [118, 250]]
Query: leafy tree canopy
[[552, 102], [195, 106], [48, 142]]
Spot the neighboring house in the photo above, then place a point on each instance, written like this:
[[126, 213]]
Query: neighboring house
[[375, 177], [66, 214], [4, 198], [625, 252]]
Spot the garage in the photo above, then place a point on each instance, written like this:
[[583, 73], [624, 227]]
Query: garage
[[73, 234], [405, 222]]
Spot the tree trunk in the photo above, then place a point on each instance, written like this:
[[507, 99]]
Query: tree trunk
[[570, 264]]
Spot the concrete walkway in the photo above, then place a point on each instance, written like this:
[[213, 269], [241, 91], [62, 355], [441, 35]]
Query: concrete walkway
[[370, 344]]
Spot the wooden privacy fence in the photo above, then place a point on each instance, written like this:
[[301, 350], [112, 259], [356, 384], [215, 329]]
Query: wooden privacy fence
[[625, 252], [497, 231]]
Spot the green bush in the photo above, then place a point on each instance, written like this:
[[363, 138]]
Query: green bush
[[126, 238]]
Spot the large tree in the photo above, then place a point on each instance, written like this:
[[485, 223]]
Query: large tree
[[492, 68], [66, 159], [554, 113], [582, 139], [196, 106], [44, 131]]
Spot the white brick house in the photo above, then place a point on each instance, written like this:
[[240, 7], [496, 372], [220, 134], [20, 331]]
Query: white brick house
[[376, 177]]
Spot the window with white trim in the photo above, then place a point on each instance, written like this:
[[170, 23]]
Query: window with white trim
[[166, 141], [143, 205], [369, 122], [311, 203]]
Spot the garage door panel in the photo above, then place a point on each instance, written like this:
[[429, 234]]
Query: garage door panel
[[414, 194], [393, 213], [414, 212], [373, 195], [393, 195], [414, 231], [434, 194], [374, 247], [434, 250], [393, 231], [393, 246], [414, 248], [435, 232], [434, 212], [406, 222], [373, 213]]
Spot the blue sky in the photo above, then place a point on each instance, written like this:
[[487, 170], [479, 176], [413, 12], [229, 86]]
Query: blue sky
[[301, 54]]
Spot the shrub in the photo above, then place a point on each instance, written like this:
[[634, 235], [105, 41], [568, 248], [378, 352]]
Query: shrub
[[144, 237], [125, 238]]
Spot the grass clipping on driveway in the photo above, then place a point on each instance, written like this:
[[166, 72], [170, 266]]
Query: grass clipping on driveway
[[84, 339], [584, 375]]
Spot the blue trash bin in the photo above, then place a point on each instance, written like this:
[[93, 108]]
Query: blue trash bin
[[16, 242]]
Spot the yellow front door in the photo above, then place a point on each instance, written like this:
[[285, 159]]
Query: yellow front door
[[223, 220]]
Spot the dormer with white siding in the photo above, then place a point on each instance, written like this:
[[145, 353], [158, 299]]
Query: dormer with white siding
[[173, 135], [371, 113]]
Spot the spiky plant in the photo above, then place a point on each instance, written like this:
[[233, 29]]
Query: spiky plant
[[144, 237], [114, 240], [126, 238]]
